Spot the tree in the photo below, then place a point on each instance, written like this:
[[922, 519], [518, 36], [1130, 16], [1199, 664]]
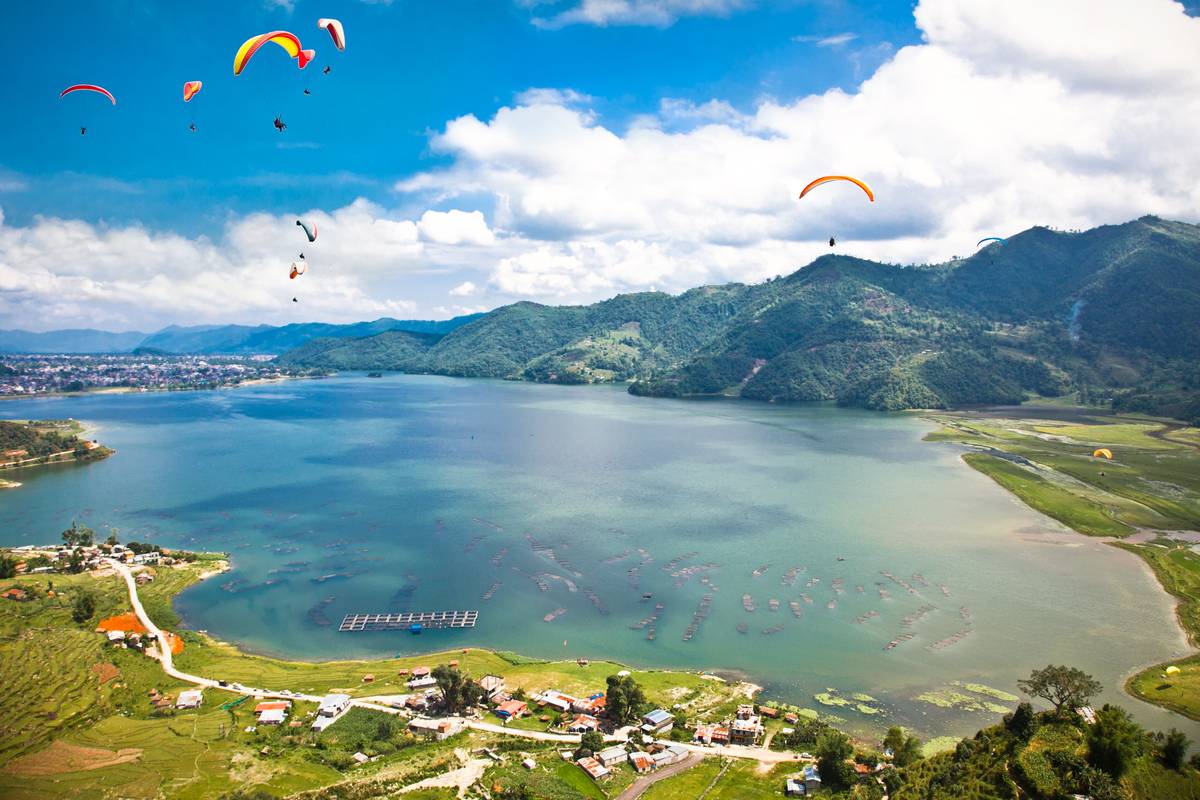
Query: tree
[[833, 753], [1063, 687], [624, 699], [589, 744], [1115, 741], [909, 753], [8, 567], [84, 607], [112, 537], [894, 739], [1022, 723], [78, 535], [458, 691], [1174, 747]]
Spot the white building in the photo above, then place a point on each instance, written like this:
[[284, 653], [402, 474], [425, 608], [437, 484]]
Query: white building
[[190, 699], [333, 704]]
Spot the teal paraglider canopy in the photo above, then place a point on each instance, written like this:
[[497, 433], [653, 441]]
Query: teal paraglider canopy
[[309, 230], [991, 239]]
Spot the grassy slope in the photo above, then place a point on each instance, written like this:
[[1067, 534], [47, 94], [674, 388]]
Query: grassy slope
[[50, 692]]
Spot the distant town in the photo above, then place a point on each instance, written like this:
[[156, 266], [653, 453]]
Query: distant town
[[25, 375]]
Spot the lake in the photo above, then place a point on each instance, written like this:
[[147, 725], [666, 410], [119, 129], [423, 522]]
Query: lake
[[530, 502]]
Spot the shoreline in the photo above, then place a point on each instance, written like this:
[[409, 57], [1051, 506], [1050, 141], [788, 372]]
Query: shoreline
[[119, 390]]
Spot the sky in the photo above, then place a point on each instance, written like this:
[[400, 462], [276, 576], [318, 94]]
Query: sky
[[461, 155]]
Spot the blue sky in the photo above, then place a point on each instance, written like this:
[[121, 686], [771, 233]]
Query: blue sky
[[410, 67], [462, 155]]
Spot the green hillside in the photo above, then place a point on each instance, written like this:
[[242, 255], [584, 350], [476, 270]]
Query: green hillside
[[1107, 316]]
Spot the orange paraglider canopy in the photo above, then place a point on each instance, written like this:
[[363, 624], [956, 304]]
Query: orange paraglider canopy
[[1103, 452], [830, 178], [288, 41]]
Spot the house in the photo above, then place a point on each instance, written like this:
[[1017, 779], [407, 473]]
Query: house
[[368, 678], [593, 768], [333, 704], [423, 682], [437, 729], [272, 712], [492, 685], [583, 723], [1087, 714], [671, 754], [641, 762], [657, 721], [592, 705], [790, 718], [142, 578], [511, 709], [116, 637], [529, 763], [712, 734], [794, 787], [417, 702], [612, 755], [150, 557], [812, 778], [361, 758], [745, 731], [420, 672], [556, 700], [190, 699], [745, 711], [768, 712], [15, 593]]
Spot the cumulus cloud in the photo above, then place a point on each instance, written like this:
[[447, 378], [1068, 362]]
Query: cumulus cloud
[[455, 227], [660, 13], [464, 289], [1011, 113]]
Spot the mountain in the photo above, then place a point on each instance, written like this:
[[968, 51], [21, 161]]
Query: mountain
[[213, 339], [1109, 315], [82, 340], [247, 340]]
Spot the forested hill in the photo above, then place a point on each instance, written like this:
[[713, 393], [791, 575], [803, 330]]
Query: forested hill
[[1110, 314]]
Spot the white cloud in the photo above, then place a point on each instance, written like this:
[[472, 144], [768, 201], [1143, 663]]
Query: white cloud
[[659, 13], [542, 96], [836, 40], [455, 227], [464, 289], [1000, 120], [287, 5]]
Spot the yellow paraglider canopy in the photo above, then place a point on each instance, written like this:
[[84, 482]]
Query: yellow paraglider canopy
[[1103, 452], [1173, 670]]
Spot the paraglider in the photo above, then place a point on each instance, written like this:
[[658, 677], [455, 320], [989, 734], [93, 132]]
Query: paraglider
[[831, 178], [88, 87], [832, 241], [297, 270], [306, 91], [302, 256], [1173, 670], [991, 239], [287, 41], [82, 131], [326, 70], [335, 32], [192, 127], [1103, 452], [309, 231], [280, 125], [191, 89]]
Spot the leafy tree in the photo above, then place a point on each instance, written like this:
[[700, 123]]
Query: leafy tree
[[909, 753], [1174, 746], [1063, 687], [1097, 785], [1115, 741], [84, 607], [624, 699], [8, 567], [458, 691], [112, 537], [833, 753], [894, 739], [78, 535], [1022, 722], [589, 744]]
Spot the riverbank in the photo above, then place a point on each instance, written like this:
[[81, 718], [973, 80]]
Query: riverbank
[[26, 444], [1145, 500]]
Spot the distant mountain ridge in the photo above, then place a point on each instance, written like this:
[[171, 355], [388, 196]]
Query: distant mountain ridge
[[1109, 315], [212, 339]]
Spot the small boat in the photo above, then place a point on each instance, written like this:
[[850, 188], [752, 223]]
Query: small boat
[[374, 374]]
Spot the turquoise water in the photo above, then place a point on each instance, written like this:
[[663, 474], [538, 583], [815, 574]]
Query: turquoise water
[[424, 493]]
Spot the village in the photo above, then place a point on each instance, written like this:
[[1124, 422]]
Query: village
[[610, 733]]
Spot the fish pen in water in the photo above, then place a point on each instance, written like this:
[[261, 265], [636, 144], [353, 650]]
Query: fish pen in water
[[414, 622]]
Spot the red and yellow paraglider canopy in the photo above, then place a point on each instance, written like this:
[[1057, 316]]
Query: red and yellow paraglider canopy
[[287, 41], [831, 178], [190, 88]]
